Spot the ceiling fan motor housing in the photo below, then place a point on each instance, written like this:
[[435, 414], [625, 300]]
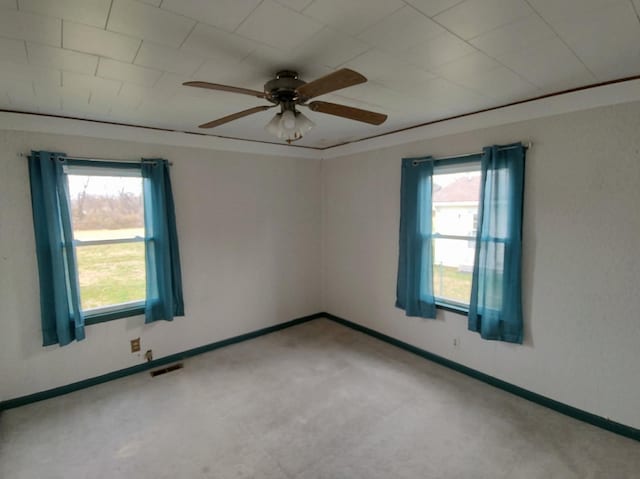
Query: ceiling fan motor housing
[[282, 89]]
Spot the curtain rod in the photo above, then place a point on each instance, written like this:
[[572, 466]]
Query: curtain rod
[[94, 158], [527, 146]]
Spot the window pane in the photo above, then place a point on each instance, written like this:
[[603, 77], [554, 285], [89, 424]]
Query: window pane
[[455, 203], [106, 207], [111, 274], [452, 269]]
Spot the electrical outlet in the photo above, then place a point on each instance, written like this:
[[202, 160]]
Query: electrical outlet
[[135, 345]]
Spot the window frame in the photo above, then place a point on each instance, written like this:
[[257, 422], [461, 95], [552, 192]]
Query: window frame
[[111, 312], [448, 166]]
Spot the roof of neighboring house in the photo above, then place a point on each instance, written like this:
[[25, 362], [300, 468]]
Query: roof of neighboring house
[[463, 189]]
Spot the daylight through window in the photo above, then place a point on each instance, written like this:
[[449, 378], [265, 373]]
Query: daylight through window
[[107, 212], [456, 194]]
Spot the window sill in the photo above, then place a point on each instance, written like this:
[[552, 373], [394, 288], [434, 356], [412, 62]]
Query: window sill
[[453, 308], [101, 317]]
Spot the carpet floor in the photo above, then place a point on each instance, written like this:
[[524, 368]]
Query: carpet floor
[[317, 400]]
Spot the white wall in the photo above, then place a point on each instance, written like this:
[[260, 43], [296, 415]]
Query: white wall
[[581, 249], [249, 231], [250, 228]]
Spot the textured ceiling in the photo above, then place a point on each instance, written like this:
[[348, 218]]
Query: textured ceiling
[[124, 60]]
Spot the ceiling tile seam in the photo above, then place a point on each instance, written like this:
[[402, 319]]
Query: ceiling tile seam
[[19, 39], [478, 50], [342, 65], [93, 54], [184, 40], [135, 55], [420, 12], [439, 12], [483, 95], [245, 18], [257, 42], [194, 72], [370, 48], [633, 5], [208, 24], [561, 39], [500, 65], [284, 5], [264, 44], [241, 60], [382, 20], [106, 22], [307, 8], [150, 6]]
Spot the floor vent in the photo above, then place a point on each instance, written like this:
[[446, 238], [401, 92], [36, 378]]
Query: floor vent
[[166, 370]]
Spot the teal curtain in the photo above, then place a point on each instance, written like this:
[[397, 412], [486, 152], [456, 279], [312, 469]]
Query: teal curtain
[[60, 311], [164, 278], [414, 288], [495, 310]]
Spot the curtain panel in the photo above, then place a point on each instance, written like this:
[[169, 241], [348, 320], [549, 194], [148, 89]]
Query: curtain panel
[[414, 290], [164, 298], [495, 310], [60, 313]]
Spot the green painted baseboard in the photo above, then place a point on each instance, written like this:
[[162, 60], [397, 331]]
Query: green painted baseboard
[[562, 408], [85, 383]]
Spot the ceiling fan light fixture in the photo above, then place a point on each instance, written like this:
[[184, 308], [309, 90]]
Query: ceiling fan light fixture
[[288, 120], [273, 127], [303, 123], [290, 125]]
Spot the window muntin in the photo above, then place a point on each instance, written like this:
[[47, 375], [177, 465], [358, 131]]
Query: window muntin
[[107, 216], [455, 200]]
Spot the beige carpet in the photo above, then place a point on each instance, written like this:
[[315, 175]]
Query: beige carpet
[[314, 401]]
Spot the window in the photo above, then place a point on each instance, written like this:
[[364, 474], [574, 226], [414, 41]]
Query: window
[[107, 219], [455, 198], [440, 261], [106, 243]]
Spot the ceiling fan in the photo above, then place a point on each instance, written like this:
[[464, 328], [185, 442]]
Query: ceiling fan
[[288, 92]]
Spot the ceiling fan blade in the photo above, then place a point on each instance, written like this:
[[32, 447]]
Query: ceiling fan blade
[[232, 89], [349, 112], [331, 82], [235, 116]]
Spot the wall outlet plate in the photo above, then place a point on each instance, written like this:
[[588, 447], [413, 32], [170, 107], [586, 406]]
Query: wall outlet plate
[[135, 345]]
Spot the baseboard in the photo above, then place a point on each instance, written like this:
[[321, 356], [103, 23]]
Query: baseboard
[[85, 383], [562, 408]]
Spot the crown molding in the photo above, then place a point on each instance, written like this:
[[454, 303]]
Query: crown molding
[[40, 123], [584, 98], [612, 93]]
